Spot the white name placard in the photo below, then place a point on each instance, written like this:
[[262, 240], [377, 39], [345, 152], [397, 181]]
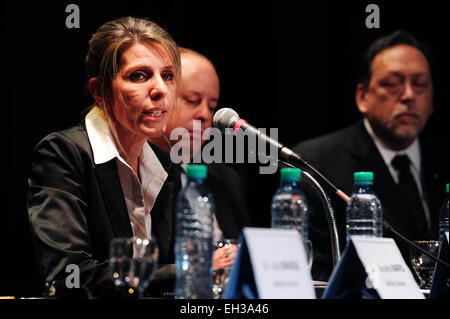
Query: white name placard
[[387, 272], [279, 263]]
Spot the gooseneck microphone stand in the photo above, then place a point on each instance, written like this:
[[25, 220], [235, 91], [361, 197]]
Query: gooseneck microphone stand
[[328, 208]]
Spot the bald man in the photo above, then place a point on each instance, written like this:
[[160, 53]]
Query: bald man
[[200, 95]]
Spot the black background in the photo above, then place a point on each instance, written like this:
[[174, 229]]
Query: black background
[[281, 65]]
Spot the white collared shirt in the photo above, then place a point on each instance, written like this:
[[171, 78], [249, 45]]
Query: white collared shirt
[[413, 152], [139, 197]]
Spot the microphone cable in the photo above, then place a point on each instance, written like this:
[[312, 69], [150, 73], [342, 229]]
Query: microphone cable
[[411, 243]]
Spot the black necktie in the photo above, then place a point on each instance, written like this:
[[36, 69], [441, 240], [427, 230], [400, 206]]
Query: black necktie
[[416, 224]]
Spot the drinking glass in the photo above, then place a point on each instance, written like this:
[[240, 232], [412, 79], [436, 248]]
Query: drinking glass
[[309, 253], [422, 264], [132, 262]]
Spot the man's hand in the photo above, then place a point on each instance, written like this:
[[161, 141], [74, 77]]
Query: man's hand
[[224, 257]]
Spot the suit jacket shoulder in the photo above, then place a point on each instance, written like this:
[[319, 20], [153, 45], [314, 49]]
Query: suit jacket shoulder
[[75, 208], [342, 141]]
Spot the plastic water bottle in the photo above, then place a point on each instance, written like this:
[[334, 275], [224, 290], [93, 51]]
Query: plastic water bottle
[[443, 215], [289, 205], [364, 211], [194, 237]]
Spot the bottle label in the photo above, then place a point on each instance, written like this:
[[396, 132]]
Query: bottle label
[[365, 196]]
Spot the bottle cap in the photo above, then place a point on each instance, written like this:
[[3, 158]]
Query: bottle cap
[[290, 174], [196, 171], [446, 188], [363, 178]]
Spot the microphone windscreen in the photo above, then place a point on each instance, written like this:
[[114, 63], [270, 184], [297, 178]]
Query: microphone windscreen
[[224, 118]]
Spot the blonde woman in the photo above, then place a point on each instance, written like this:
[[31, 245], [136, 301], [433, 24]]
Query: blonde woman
[[101, 179]]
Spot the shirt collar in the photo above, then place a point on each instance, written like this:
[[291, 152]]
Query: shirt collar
[[104, 148], [413, 151], [149, 162], [100, 136]]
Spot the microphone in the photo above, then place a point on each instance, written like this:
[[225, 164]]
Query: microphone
[[228, 118]]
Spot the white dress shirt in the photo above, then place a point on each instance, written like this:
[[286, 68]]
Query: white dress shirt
[[139, 197], [413, 152]]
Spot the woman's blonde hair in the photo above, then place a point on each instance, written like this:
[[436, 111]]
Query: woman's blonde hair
[[106, 47]]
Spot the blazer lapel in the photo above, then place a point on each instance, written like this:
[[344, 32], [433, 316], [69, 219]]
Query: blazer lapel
[[163, 212], [163, 222], [433, 182], [111, 189]]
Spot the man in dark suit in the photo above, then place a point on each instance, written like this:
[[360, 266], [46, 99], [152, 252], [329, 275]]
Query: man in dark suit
[[395, 96]]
